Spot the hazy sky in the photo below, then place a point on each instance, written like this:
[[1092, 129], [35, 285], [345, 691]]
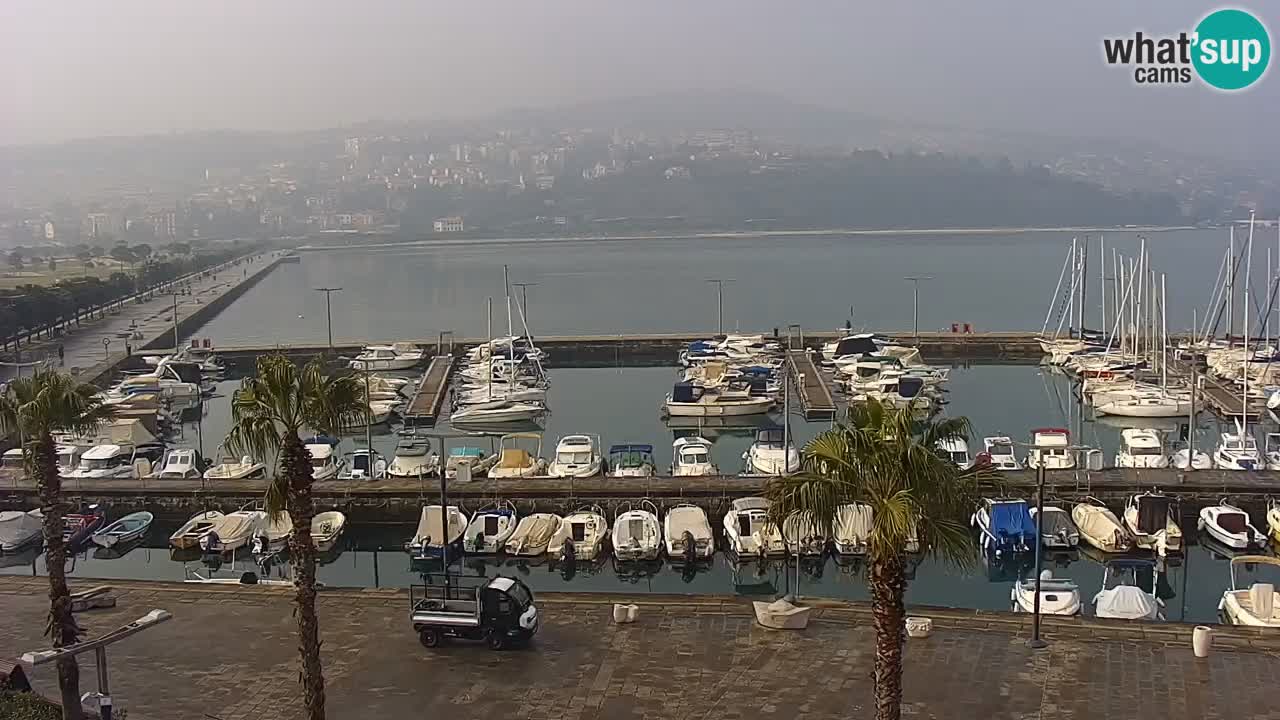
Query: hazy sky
[[73, 68]]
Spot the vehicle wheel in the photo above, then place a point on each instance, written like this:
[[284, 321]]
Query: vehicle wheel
[[496, 641], [430, 637]]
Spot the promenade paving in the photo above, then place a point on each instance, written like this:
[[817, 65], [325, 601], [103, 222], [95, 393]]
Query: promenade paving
[[136, 322], [230, 653]]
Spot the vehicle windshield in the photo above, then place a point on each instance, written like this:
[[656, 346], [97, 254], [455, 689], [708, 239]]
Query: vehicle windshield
[[1144, 451], [319, 462], [1002, 449], [696, 458], [98, 464], [10, 461], [573, 458]]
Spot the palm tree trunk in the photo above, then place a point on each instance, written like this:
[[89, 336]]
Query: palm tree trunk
[[295, 461], [62, 628], [888, 584]]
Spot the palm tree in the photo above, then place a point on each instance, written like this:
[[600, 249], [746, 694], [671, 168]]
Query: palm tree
[[881, 457], [34, 408], [268, 413]]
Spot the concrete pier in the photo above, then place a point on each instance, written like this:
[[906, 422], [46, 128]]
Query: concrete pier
[[815, 397], [428, 398]]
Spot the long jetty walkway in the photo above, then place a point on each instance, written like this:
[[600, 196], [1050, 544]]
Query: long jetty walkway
[[815, 397], [428, 399]]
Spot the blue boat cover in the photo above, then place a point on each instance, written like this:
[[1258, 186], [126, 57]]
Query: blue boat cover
[[700, 346], [756, 370], [1012, 519], [682, 392]]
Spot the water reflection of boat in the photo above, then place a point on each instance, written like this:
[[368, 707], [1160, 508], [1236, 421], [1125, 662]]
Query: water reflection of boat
[[1165, 425], [755, 577], [495, 429], [688, 570], [633, 571], [712, 428], [116, 551], [1008, 567], [25, 556]]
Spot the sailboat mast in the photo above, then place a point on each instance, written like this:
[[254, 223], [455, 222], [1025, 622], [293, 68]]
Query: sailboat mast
[[1248, 270], [511, 343], [1231, 282], [1102, 280], [1164, 338], [1084, 280], [1071, 298], [488, 330]]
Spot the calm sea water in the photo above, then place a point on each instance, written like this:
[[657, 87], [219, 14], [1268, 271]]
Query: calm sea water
[[995, 282]]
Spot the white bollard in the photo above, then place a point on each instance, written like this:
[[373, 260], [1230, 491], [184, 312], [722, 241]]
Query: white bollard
[[1202, 640]]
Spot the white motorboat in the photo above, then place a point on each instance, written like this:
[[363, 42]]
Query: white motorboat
[[380, 412], [515, 461], [427, 539], [398, 356], [188, 536], [1273, 519], [1237, 451], [1100, 527], [125, 530], [637, 535], [1182, 459], [1006, 526], [1156, 406], [164, 380], [688, 533], [692, 457], [1230, 526], [1271, 449], [1057, 531], [749, 531], [325, 464], [19, 529], [116, 462], [68, 457], [1141, 448], [1000, 453], [772, 453], [802, 536], [853, 524], [1257, 605], [689, 400], [519, 392], [229, 468], [576, 456], [490, 529], [956, 450], [1152, 519], [496, 411], [233, 531], [1121, 597], [533, 534], [468, 462], [272, 533], [363, 464], [179, 464], [631, 461], [1051, 447], [582, 535], [414, 458], [850, 346], [326, 529], [1058, 596]]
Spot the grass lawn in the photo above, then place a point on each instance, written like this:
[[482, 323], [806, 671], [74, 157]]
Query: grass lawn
[[27, 706], [67, 269]]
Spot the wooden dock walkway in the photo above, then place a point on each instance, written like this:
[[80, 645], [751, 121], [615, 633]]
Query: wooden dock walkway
[[815, 397], [427, 401]]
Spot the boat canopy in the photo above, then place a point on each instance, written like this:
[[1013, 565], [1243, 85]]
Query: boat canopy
[[616, 449], [909, 387], [1011, 518], [1153, 512], [770, 436], [321, 440], [685, 392], [1057, 523], [856, 345], [513, 458], [459, 452], [749, 503]]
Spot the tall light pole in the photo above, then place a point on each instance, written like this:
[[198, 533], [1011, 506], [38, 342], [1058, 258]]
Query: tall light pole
[[915, 303], [328, 310], [719, 302]]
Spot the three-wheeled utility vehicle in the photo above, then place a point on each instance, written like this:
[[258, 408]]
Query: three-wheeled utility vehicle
[[499, 611]]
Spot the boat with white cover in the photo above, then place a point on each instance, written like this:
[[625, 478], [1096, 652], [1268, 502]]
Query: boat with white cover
[[772, 453], [748, 530], [689, 400], [1100, 527], [325, 465], [231, 468], [398, 356], [1152, 406], [1257, 605], [20, 529], [1121, 597], [1273, 519], [1141, 448], [581, 535], [1183, 459], [802, 536], [1058, 596], [233, 531], [852, 528], [414, 458], [427, 539], [533, 534], [576, 456], [490, 529], [326, 529], [1237, 451], [272, 533], [1152, 519], [1230, 526], [188, 536], [956, 450], [692, 457], [125, 530], [1051, 447], [1000, 454], [631, 461], [636, 534], [688, 533], [496, 411], [1057, 530], [515, 461]]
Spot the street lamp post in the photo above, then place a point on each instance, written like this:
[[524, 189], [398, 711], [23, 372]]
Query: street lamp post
[[719, 282], [328, 310], [915, 303], [1036, 642]]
